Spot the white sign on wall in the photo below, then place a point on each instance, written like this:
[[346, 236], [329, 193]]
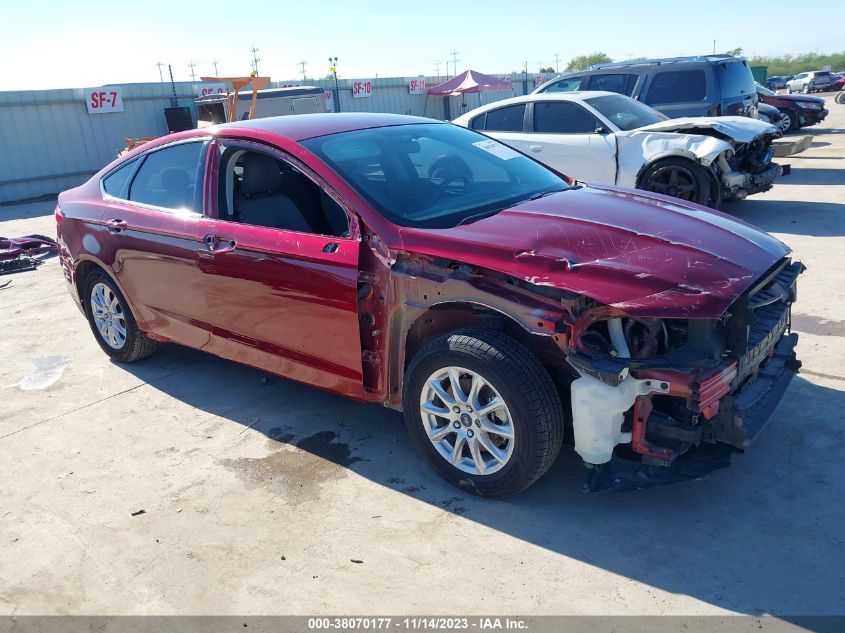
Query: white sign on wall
[[539, 80], [328, 95], [211, 89], [417, 86], [103, 100], [362, 89]]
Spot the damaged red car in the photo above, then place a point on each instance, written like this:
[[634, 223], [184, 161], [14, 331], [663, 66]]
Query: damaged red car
[[436, 271]]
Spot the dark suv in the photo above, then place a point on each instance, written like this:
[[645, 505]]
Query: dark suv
[[710, 85]]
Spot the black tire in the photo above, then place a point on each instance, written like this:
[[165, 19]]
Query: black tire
[[794, 123], [692, 184], [806, 89], [521, 381], [136, 344]]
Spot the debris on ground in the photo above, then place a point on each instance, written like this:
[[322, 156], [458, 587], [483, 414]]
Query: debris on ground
[[356, 560], [138, 512], [24, 253]]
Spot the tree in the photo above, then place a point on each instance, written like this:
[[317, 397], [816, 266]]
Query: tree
[[735, 52], [546, 70], [585, 61]]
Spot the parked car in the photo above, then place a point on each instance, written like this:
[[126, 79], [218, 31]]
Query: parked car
[[770, 114], [798, 111], [814, 81], [710, 85], [838, 81], [777, 82], [608, 138], [434, 270]]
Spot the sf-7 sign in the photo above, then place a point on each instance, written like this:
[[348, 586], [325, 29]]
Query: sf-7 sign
[[102, 100]]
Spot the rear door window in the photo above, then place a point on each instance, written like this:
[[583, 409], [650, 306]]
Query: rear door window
[[507, 119], [735, 79], [566, 85], [677, 86], [563, 117], [115, 183], [623, 84], [168, 177]]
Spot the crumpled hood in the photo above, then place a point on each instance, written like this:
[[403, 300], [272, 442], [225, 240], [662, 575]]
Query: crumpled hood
[[643, 253], [739, 128]]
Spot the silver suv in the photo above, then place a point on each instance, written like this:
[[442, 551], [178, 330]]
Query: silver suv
[[809, 82]]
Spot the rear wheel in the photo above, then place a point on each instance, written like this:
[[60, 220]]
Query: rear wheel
[[112, 322], [483, 412], [679, 178], [806, 89]]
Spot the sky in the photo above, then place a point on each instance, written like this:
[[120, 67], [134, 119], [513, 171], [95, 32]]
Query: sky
[[63, 44]]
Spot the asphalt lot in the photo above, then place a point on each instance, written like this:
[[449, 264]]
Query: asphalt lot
[[258, 493]]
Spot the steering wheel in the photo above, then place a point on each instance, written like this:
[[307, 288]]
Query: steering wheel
[[450, 169]]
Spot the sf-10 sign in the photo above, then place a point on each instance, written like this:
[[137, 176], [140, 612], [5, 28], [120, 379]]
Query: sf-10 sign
[[203, 90], [416, 86], [102, 100], [362, 89]]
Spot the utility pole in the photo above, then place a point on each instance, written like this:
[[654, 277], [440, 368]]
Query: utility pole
[[714, 47], [214, 63], [302, 63], [160, 76], [437, 69], [557, 62], [455, 61], [525, 79], [333, 70], [255, 59], [174, 100], [193, 75]]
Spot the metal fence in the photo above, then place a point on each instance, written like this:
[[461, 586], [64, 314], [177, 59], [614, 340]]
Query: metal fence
[[50, 142]]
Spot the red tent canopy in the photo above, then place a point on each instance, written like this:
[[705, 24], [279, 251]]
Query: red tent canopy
[[469, 81]]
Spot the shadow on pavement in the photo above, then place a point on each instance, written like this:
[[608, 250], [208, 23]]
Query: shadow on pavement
[[822, 219], [813, 176], [759, 537]]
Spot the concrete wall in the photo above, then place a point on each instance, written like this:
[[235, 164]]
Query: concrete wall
[[49, 141]]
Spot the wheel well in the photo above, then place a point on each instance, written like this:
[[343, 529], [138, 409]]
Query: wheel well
[[665, 158], [449, 317], [84, 269]]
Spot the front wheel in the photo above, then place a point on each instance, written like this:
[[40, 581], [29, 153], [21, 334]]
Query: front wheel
[[788, 121], [483, 412], [679, 178]]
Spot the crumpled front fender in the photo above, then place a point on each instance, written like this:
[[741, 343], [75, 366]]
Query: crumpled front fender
[[638, 149]]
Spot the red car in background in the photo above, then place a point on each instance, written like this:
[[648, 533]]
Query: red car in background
[[431, 269], [838, 81], [797, 110]]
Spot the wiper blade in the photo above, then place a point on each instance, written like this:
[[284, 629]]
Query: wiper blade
[[543, 194], [477, 216]]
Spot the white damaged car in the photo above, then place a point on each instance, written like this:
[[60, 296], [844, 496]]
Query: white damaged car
[[608, 138]]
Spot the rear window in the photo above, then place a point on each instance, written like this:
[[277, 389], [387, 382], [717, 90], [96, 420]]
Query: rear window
[[678, 86], [735, 79], [507, 119], [623, 84]]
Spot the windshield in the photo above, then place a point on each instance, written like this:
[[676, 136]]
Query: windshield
[[736, 79], [624, 112], [765, 91], [433, 175]]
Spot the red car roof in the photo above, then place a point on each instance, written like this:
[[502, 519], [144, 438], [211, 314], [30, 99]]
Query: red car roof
[[303, 126]]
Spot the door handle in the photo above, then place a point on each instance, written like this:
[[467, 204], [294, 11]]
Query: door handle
[[536, 148], [331, 247], [116, 226], [217, 244]]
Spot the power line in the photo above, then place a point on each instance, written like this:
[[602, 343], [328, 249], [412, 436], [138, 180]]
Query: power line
[[302, 63], [557, 62], [191, 66], [255, 59]]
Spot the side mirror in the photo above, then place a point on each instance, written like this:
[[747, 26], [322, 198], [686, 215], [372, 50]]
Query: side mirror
[[600, 129]]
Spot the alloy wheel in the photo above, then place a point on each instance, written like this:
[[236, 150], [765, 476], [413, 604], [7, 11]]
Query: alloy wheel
[[673, 180], [108, 314], [467, 420]]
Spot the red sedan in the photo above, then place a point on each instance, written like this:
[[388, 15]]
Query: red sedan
[[429, 268]]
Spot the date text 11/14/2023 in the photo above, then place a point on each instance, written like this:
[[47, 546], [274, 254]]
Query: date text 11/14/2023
[[416, 623]]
